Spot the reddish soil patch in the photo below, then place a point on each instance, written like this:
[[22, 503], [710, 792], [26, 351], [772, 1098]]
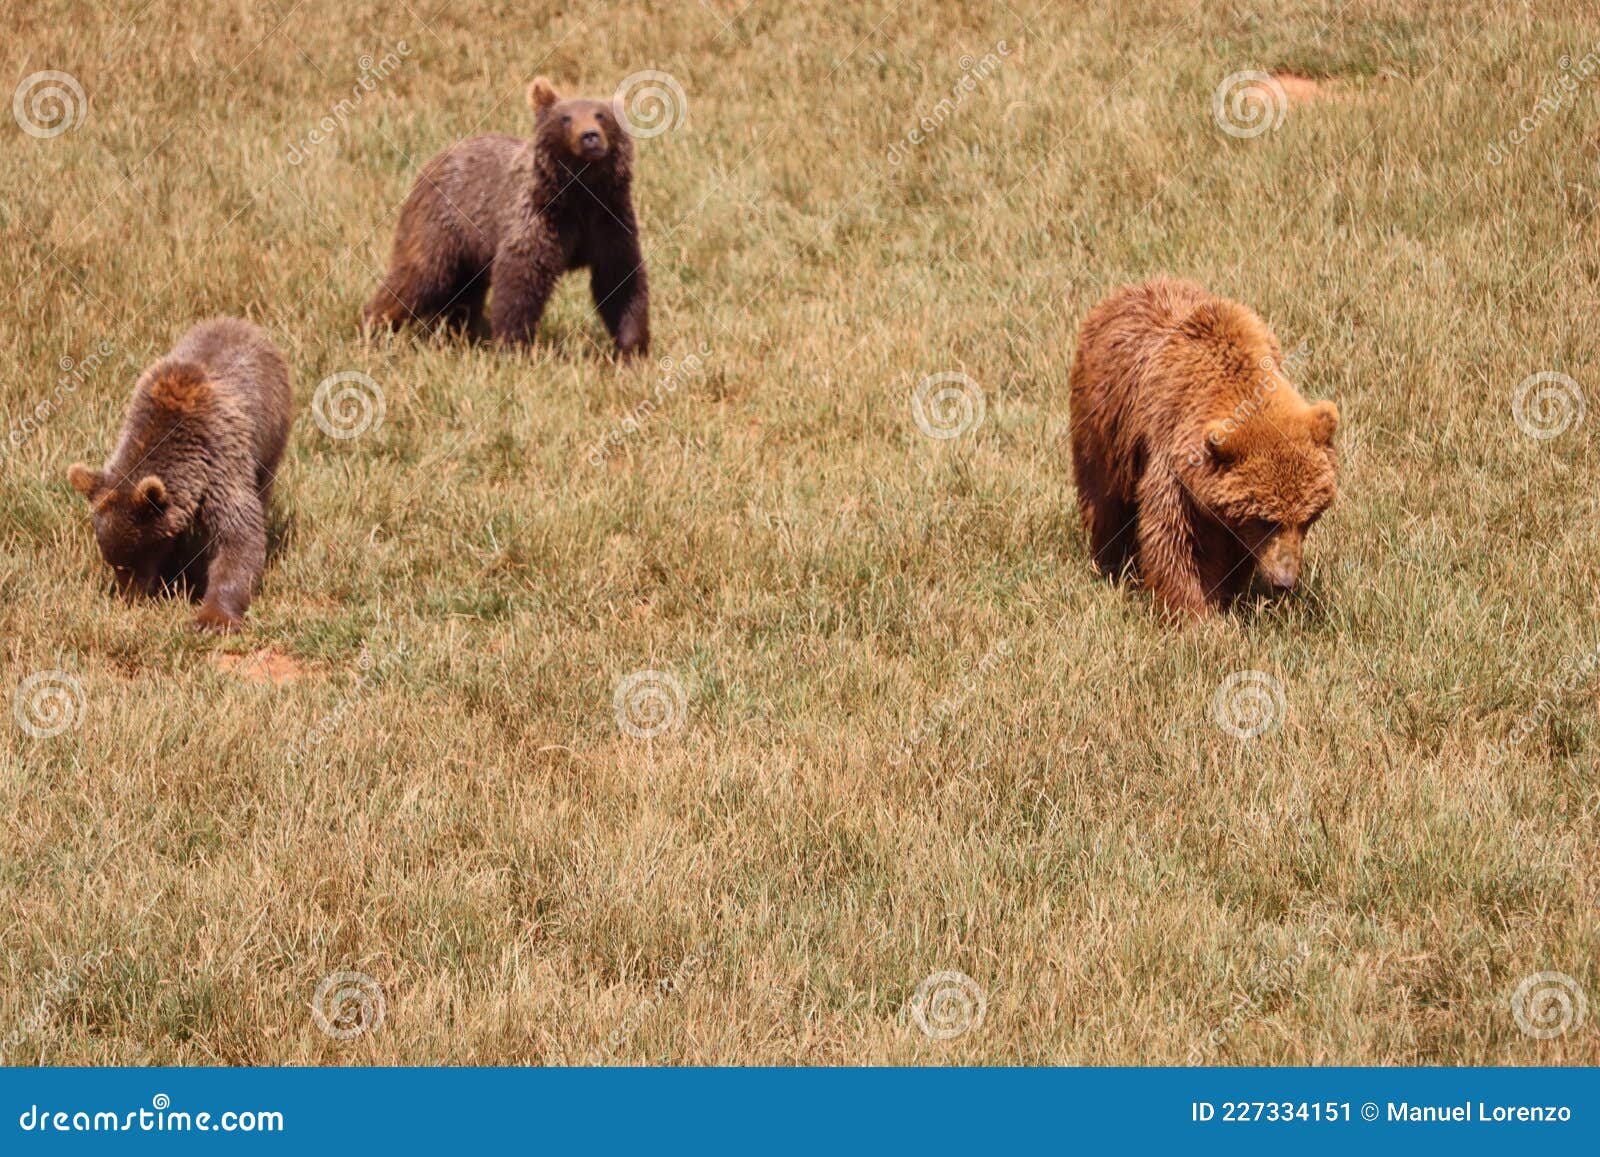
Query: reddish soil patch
[[1299, 89], [265, 666]]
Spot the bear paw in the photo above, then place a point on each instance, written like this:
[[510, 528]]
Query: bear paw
[[217, 619]]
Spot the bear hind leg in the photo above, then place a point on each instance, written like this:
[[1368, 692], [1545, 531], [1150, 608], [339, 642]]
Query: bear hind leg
[[1113, 526], [465, 312], [447, 291]]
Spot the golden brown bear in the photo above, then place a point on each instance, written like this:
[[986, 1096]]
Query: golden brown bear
[[1194, 457]]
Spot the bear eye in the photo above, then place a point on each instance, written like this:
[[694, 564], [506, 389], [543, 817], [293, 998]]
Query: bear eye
[[566, 120]]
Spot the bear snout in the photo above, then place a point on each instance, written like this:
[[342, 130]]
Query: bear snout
[[127, 585], [133, 585], [1279, 561], [1283, 580], [592, 144]]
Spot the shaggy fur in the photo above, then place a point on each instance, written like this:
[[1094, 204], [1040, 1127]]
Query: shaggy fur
[[508, 215], [1194, 457], [182, 499]]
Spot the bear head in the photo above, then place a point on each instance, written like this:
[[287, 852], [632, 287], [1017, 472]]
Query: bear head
[[138, 516], [1266, 472], [134, 525], [578, 130]]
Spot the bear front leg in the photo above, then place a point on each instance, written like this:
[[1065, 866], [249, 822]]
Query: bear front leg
[[239, 555], [1112, 527], [622, 297], [1167, 563], [521, 279], [386, 311]]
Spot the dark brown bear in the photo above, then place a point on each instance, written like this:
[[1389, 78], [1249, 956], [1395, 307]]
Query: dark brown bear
[[503, 214], [182, 500]]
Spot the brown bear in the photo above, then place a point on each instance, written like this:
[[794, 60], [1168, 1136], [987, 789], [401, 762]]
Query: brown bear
[[501, 214], [1194, 457], [182, 500]]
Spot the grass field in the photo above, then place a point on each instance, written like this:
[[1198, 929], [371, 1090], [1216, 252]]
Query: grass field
[[903, 730]]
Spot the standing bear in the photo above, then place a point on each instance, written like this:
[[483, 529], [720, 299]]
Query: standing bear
[[507, 217], [182, 500], [1194, 457]]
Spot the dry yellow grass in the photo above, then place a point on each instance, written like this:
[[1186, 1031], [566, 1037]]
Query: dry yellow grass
[[916, 734]]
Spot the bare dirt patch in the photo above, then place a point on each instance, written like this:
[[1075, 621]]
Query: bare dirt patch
[[1300, 89], [264, 666]]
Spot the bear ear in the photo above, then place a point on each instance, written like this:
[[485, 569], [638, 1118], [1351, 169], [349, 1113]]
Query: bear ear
[[1218, 443], [85, 481], [542, 94], [151, 491], [1323, 422]]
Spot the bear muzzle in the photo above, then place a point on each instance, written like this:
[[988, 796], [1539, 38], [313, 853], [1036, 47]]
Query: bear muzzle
[[132, 585], [591, 145], [1278, 562], [1282, 580]]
